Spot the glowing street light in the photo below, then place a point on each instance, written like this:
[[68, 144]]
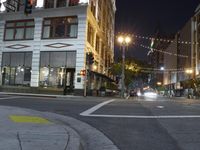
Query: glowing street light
[[124, 40], [189, 71], [162, 68]]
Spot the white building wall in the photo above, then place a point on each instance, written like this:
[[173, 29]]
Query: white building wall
[[1, 45], [37, 45], [170, 64], [36, 53]]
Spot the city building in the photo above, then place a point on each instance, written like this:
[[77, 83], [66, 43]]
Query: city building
[[179, 60], [45, 51], [196, 41], [156, 58]]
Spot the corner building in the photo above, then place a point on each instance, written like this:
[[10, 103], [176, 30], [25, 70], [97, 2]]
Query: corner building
[[45, 51]]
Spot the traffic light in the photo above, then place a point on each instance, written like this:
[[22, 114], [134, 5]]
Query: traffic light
[[28, 4], [90, 58]]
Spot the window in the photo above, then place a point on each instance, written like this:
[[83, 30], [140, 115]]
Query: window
[[62, 27], [73, 2], [19, 30], [55, 68], [90, 35], [59, 3], [16, 68], [97, 48], [49, 4]]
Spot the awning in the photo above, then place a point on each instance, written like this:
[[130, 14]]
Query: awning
[[102, 75]]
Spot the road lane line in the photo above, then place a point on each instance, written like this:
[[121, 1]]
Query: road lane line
[[144, 117], [95, 108]]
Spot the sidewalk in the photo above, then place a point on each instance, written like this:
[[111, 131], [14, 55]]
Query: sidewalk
[[24, 130]]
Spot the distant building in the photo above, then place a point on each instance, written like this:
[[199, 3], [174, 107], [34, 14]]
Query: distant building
[[185, 50], [156, 58], [45, 51], [196, 42]]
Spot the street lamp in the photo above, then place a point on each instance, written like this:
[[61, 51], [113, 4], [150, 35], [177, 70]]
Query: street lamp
[[189, 71], [124, 40]]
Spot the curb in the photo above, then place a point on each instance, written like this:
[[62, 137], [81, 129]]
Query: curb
[[74, 141], [92, 139], [82, 136], [39, 95]]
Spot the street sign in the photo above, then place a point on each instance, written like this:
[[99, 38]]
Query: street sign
[[10, 5]]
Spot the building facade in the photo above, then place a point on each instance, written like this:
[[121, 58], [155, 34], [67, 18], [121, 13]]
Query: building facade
[[196, 41], [184, 56], [45, 51]]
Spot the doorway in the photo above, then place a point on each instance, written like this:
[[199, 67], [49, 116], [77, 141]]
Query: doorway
[[69, 81]]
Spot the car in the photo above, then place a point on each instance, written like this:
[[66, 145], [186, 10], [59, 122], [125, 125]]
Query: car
[[133, 93]]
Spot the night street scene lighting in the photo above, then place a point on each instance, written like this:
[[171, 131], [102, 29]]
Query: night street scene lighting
[[99, 74], [124, 41]]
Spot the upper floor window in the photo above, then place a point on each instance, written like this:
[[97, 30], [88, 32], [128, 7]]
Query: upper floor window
[[62, 27], [19, 30], [90, 35], [60, 3]]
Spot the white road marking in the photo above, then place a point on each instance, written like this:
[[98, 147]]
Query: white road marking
[[88, 113], [13, 97], [144, 117], [160, 107], [93, 109]]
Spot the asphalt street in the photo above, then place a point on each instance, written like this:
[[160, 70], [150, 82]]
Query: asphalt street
[[134, 124]]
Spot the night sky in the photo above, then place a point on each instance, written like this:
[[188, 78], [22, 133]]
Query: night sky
[[142, 17]]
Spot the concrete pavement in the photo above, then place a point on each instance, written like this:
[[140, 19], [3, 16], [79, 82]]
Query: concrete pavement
[[25, 129]]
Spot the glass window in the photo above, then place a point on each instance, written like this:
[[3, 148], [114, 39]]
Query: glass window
[[28, 59], [57, 59], [60, 30], [71, 59], [73, 2], [62, 27], [6, 59], [9, 34], [61, 3], [90, 35], [10, 25], [30, 23], [49, 3], [44, 59], [57, 64], [16, 68], [73, 30], [19, 30], [5, 75], [20, 24], [19, 33], [27, 74], [46, 32], [29, 33], [17, 59]]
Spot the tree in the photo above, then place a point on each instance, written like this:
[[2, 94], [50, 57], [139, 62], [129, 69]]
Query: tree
[[133, 70]]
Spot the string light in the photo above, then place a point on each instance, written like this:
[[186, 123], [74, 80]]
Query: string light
[[161, 51], [164, 40]]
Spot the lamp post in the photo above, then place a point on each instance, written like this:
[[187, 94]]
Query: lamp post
[[124, 40]]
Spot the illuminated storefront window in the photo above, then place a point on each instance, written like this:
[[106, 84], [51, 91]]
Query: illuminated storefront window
[[57, 69], [16, 68]]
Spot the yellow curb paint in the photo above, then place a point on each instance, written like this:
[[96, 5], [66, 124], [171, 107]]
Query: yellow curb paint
[[29, 119]]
